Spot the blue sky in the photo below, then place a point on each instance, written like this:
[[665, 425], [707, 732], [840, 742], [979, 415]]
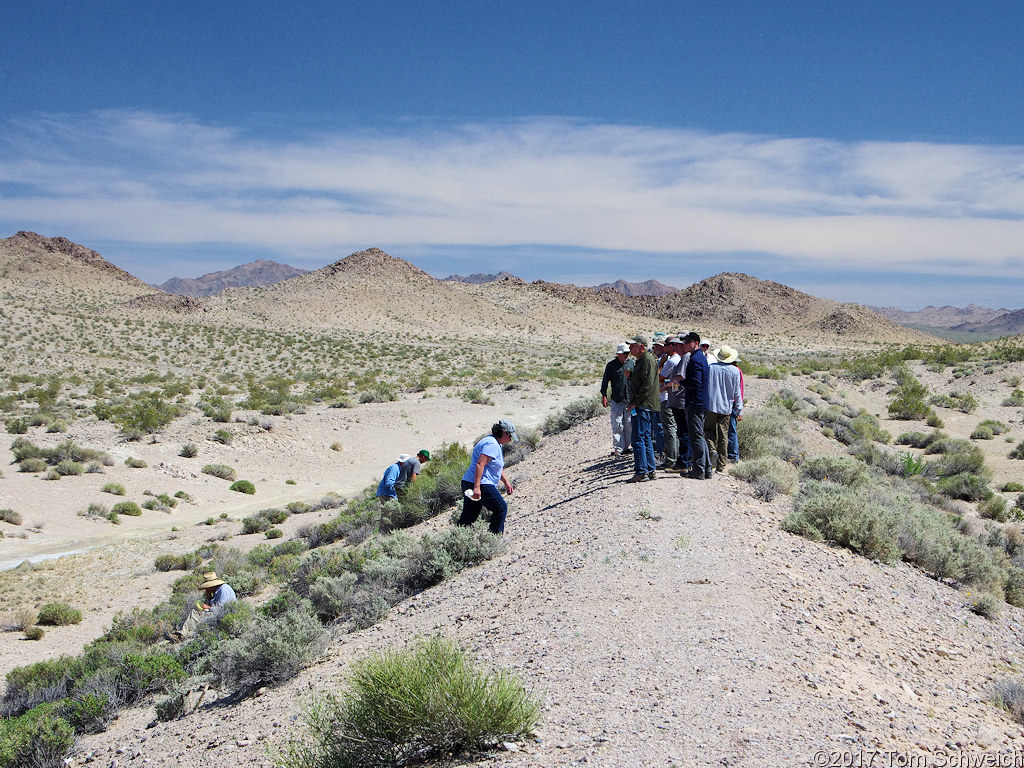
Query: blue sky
[[863, 151]]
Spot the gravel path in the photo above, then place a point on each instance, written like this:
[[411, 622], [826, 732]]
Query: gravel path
[[667, 623]]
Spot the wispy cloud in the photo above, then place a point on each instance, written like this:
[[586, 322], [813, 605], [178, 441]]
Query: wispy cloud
[[168, 180]]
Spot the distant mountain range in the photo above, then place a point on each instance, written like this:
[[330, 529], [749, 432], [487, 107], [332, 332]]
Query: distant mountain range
[[646, 288], [252, 275], [971, 320]]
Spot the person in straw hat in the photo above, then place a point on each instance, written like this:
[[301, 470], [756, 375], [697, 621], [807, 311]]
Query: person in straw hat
[[216, 592], [724, 402]]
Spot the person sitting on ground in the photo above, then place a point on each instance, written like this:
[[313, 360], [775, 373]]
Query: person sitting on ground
[[486, 468], [410, 469]]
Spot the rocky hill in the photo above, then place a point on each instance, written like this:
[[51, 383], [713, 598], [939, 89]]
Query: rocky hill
[[255, 273], [1008, 323], [62, 272]]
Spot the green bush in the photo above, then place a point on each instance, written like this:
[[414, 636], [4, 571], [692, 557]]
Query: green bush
[[1018, 452], [1012, 487], [16, 426], [10, 516], [274, 533], [129, 508], [908, 402], [33, 633], [850, 516], [413, 706], [933, 420], [68, 468], [994, 508], [37, 739], [189, 451], [243, 486], [135, 463], [768, 475], [575, 413], [113, 488], [224, 436], [59, 615], [32, 464], [223, 471], [842, 470], [767, 431], [185, 562], [270, 650]]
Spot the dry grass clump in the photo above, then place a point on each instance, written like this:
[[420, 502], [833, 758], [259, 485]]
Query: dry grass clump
[[223, 471], [10, 516]]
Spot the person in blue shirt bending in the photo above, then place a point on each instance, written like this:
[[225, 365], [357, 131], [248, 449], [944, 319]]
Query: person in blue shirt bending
[[486, 468]]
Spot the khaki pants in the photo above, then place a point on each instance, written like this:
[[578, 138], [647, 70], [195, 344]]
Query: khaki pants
[[716, 429]]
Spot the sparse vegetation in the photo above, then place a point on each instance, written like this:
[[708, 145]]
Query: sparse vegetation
[[58, 615], [223, 471]]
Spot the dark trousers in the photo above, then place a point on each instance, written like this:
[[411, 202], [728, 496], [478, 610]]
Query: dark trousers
[[490, 497], [698, 445]]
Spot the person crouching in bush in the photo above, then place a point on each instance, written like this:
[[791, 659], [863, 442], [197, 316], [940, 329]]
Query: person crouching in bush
[[216, 592]]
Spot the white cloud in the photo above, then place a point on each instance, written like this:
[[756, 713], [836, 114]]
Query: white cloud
[[168, 180]]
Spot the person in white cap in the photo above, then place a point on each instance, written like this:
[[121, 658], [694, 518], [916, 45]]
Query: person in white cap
[[615, 396]]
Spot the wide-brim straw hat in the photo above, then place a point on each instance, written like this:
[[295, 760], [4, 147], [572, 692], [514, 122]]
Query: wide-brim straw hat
[[210, 580], [726, 354]]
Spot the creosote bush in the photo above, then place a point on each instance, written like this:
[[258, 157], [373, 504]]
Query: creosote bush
[[411, 706], [59, 615], [243, 486], [769, 476]]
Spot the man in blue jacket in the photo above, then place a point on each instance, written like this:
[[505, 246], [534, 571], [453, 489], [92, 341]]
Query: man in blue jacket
[[696, 387]]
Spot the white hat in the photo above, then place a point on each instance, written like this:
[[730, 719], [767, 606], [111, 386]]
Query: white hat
[[622, 349], [726, 354]]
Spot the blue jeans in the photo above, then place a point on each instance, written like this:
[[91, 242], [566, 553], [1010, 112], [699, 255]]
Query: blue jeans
[[734, 440], [490, 497], [643, 441], [658, 433]]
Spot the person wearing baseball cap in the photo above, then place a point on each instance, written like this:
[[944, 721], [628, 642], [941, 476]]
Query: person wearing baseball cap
[[480, 482], [614, 395], [643, 396]]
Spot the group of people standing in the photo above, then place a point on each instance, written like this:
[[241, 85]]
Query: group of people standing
[[674, 405]]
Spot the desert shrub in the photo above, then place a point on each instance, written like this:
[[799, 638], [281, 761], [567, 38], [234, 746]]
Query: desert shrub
[[68, 468], [141, 674], [223, 471], [274, 533], [330, 595], [258, 523], [986, 604], [184, 562], [767, 431], [529, 441], [964, 486], [135, 463], [1009, 695], [189, 451], [1016, 398], [298, 507], [916, 439], [129, 508], [379, 393], [99, 510], [34, 633], [768, 475], [114, 488], [850, 516], [142, 413], [89, 712], [223, 436], [1018, 452], [32, 464], [1012, 486], [437, 488], [243, 486], [933, 420], [476, 396], [16, 426], [908, 401], [842, 470], [993, 508], [270, 650], [10, 516], [412, 706], [59, 615], [575, 413], [38, 739], [964, 402]]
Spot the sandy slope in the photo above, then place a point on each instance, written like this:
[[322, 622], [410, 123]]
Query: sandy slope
[[671, 623]]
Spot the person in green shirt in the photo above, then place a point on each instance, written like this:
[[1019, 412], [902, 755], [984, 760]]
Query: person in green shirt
[[644, 397]]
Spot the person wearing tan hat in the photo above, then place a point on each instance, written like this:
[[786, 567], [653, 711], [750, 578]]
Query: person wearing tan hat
[[216, 592], [724, 402]]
